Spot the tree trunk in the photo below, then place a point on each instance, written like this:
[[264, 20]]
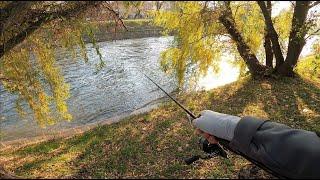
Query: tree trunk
[[268, 51], [298, 32], [267, 42], [251, 60], [11, 43], [273, 34], [9, 13]]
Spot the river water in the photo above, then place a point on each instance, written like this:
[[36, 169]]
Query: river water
[[114, 92]]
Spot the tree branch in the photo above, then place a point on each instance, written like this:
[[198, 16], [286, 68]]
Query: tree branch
[[313, 33], [13, 7], [43, 18], [314, 4], [8, 45], [11, 15], [116, 15]]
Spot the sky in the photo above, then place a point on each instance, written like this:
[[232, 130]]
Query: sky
[[278, 6]]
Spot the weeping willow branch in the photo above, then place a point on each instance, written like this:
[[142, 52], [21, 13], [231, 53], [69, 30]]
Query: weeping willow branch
[[316, 32], [36, 20], [28, 65], [116, 16]]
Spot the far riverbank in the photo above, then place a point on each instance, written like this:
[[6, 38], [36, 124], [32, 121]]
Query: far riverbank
[[136, 28]]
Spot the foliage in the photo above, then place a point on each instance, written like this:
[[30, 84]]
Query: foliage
[[194, 43], [283, 23], [201, 39], [310, 66], [316, 49], [249, 19], [31, 70]]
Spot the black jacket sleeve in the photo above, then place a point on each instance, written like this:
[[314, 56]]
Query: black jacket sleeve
[[292, 153]]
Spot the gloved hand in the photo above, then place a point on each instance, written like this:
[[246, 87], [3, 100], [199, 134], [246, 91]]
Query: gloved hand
[[217, 124]]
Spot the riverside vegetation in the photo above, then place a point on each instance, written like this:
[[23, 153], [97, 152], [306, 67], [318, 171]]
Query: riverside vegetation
[[154, 144]]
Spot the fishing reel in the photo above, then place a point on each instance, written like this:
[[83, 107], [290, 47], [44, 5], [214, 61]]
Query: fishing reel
[[210, 150]]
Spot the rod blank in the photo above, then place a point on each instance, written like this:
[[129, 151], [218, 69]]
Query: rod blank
[[184, 108]]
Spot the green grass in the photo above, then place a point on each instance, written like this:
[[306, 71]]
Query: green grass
[[154, 144]]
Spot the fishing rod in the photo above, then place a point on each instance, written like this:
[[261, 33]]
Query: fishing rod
[[213, 150], [179, 104]]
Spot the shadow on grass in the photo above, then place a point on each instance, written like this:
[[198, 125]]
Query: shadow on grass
[[137, 147], [143, 149], [53, 157], [291, 101], [153, 145]]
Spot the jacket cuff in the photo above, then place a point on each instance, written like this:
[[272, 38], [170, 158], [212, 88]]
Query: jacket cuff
[[244, 132]]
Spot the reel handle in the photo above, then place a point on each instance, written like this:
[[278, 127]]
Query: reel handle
[[223, 142]]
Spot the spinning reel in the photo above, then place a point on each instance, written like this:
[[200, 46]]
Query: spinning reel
[[211, 151]]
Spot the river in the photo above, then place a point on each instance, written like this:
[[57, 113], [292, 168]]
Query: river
[[116, 91]]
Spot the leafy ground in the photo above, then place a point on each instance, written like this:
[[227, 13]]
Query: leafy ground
[[154, 144]]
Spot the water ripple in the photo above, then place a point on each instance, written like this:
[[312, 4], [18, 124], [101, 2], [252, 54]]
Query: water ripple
[[117, 89]]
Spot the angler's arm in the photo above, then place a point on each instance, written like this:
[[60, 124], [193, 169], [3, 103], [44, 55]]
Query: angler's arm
[[285, 151], [293, 153]]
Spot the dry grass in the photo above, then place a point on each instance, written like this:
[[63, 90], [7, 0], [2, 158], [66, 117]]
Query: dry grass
[[154, 144]]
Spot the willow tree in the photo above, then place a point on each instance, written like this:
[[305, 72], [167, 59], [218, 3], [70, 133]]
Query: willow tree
[[203, 30], [30, 33]]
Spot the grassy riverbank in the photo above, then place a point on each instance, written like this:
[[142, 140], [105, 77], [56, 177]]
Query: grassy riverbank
[[153, 144]]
